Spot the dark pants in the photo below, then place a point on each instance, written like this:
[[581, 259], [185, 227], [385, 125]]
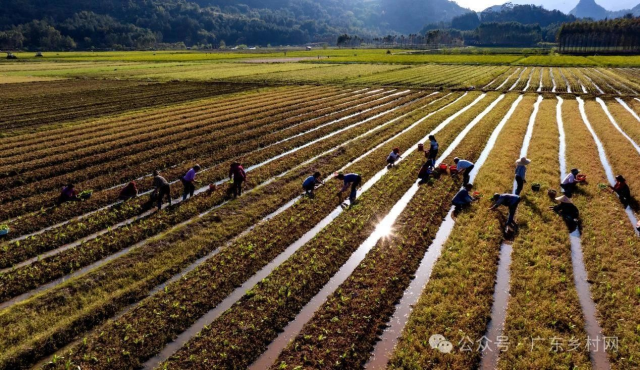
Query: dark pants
[[432, 154], [568, 189], [466, 176], [64, 199], [520, 182], [164, 191], [459, 207], [189, 189], [237, 188], [512, 213], [391, 161], [625, 197], [309, 190], [354, 189]]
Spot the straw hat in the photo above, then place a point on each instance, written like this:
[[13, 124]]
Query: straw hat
[[523, 161], [564, 199]]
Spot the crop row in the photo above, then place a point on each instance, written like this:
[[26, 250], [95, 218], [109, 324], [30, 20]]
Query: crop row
[[611, 247], [187, 130], [269, 306], [210, 153], [76, 229], [20, 280], [110, 130], [218, 277], [133, 275], [65, 212], [117, 102], [366, 300]]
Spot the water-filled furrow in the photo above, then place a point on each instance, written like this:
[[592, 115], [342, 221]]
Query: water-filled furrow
[[238, 293], [389, 338], [508, 78], [518, 80], [382, 229], [495, 328]]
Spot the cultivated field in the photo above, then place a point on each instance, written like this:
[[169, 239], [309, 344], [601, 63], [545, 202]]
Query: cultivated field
[[277, 280]]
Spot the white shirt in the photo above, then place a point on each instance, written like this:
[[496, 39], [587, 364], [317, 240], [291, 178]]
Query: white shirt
[[570, 179]]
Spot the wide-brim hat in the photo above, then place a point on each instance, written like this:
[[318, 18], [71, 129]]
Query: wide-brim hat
[[524, 161], [564, 199]]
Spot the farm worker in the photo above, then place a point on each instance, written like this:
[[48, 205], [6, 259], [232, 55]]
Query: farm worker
[[569, 182], [69, 193], [465, 167], [161, 189], [236, 172], [463, 199], [393, 157], [129, 192], [509, 200], [622, 189], [568, 211], [433, 148], [354, 180], [426, 171], [309, 185], [188, 181], [521, 172]]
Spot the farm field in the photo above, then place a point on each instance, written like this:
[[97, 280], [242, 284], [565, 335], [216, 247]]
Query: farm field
[[275, 279]]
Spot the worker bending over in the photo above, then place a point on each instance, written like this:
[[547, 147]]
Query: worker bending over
[[129, 192], [426, 171], [236, 172], [161, 189], [188, 181], [69, 193], [309, 185], [511, 201], [393, 157], [570, 182], [568, 211], [463, 199], [622, 189], [464, 167], [354, 180], [521, 173]]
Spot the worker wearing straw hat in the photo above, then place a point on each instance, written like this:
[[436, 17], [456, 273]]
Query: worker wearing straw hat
[[568, 211], [521, 172]]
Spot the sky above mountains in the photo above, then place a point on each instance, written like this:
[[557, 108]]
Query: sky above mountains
[[562, 5]]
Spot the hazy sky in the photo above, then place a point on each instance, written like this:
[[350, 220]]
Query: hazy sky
[[563, 5]]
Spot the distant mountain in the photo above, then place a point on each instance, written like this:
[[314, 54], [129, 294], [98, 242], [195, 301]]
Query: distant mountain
[[409, 16], [590, 9]]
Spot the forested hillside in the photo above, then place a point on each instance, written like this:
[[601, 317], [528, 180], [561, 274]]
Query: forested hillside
[[64, 24]]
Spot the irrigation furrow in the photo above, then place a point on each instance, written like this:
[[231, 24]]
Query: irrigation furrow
[[383, 349], [592, 326], [508, 78], [165, 354], [101, 262], [501, 293], [593, 83], [356, 141], [109, 205], [529, 81], [553, 80], [628, 108], [518, 80], [566, 81], [382, 230], [541, 79]]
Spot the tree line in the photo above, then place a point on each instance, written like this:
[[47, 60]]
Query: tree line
[[615, 36]]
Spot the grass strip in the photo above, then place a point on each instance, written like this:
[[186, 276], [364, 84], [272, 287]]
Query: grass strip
[[611, 247], [544, 303], [130, 278], [262, 312], [365, 302]]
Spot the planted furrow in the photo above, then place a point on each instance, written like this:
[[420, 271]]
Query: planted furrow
[[280, 296], [366, 300], [21, 280], [544, 302], [128, 126], [297, 112], [279, 142], [610, 245], [80, 231], [127, 278], [165, 142]]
